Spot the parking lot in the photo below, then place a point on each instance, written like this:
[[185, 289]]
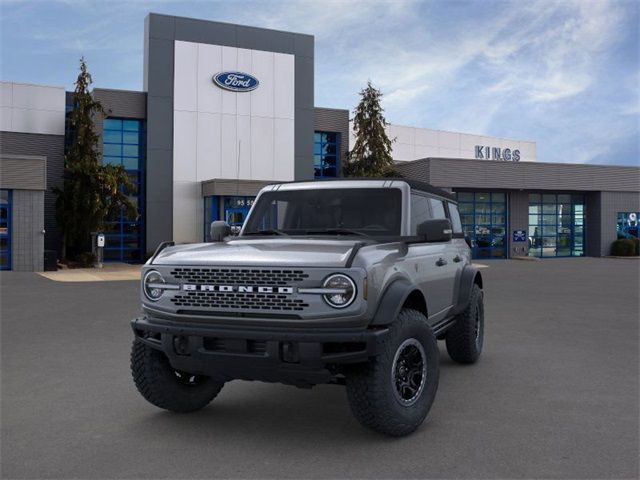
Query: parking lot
[[555, 394]]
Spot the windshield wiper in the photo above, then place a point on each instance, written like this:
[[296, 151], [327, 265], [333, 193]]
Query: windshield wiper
[[268, 231], [337, 231]]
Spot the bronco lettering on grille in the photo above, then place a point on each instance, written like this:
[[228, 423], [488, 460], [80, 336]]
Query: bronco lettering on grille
[[237, 288]]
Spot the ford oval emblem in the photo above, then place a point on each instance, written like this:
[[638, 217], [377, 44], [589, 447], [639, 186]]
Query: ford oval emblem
[[236, 81]]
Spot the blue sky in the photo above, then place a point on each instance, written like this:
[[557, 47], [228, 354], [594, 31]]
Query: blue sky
[[565, 74]]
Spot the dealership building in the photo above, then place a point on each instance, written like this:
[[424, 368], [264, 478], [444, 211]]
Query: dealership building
[[227, 109]]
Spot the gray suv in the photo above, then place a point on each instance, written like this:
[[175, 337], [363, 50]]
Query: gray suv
[[349, 282]]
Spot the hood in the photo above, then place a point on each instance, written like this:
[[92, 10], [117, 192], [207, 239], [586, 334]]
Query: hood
[[261, 252]]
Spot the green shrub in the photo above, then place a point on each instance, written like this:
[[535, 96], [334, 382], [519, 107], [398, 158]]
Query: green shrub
[[623, 248], [636, 241]]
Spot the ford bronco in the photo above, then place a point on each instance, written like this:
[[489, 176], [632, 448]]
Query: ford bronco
[[348, 282]]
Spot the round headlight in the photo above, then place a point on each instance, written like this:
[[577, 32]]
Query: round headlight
[[150, 285], [344, 290]]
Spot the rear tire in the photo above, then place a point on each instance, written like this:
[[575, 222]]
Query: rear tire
[[163, 386], [466, 337], [393, 393]]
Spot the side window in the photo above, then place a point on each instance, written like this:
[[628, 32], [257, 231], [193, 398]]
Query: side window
[[420, 211], [437, 208], [455, 218]]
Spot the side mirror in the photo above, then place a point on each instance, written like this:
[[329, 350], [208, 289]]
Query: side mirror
[[219, 230], [436, 230]]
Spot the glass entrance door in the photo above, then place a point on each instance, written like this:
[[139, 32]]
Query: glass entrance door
[[5, 229], [556, 225], [484, 221], [236, 210]]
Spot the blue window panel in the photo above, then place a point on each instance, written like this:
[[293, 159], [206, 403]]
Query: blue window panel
[[112, 136], [123, 144], [484, 222], [112, 124], [130, 151], [211, 214], [556, 225], [131, 138], [326, 159], [112, 150], [131, 125], [5, 229]]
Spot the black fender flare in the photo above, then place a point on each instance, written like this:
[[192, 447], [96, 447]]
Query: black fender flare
[[391, 301], [469, 276]]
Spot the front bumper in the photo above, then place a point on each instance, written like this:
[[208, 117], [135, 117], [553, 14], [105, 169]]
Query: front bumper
[[273, 355]]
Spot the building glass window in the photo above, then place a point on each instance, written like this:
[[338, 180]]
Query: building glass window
[[627, 225], [234, 212], [484, 222], [326, 155], [124, 144], [5, 229], [556, 225]]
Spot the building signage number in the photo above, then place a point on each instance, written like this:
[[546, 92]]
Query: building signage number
[[236, 81], [519, 235], [494, 153]]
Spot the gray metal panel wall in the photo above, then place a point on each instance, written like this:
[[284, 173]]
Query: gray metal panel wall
[[25, 172], [418, 170], [161, 32], [593, 225], [27, 223], [223, 186], [488, 174], [119, 104], [334, 120], [518, 220], [51, 147], [122, 103], [610, 204]]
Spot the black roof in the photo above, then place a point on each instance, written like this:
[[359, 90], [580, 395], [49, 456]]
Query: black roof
[[414, 184], [428, 188]]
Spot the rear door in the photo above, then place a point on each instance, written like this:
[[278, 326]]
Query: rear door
[[435, 269]]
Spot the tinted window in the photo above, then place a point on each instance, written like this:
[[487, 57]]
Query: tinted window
[[455, 218], [371, 211], [437, 208], [420, 211]]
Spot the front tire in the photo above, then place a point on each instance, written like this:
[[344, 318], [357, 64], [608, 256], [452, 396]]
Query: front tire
[[163, 386], [466, 337], [394, 392]]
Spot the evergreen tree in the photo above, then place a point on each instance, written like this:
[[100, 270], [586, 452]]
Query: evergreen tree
[[92, 191], [371, 154]]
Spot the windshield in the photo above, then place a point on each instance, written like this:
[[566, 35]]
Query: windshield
[[327, 211]]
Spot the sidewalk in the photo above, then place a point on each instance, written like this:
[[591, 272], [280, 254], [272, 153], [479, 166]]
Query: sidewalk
[[110, 272]]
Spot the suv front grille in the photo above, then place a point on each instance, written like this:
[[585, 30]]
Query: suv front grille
[[248, 301], [235, 276]]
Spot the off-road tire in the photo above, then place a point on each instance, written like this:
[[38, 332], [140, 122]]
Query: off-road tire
[[462, 343], [370, 387], [160, 385]]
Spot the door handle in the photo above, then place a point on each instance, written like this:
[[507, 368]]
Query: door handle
[[457, 259], [441, 262]]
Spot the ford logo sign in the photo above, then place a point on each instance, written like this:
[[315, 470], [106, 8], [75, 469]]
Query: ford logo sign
[[236, 81]]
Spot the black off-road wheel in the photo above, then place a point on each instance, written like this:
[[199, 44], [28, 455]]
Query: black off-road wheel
[[393, 393], [165, 387], [465, 338]]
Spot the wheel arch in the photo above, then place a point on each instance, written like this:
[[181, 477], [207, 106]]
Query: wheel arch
[[400, 294], [470, 276]]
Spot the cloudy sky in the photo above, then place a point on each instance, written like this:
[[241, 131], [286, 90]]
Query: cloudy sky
[[565, 74]]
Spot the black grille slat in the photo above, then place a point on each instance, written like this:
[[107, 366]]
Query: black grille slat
[[237, 301], [258, 301], [233, 276]]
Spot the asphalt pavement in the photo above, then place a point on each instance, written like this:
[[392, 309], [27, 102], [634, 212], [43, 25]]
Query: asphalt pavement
[[555, 394]]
